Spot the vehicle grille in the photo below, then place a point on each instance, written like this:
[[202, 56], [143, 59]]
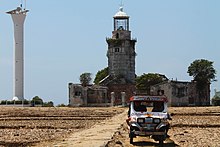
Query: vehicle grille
[[148, 120], [148, 124], [148, 127]]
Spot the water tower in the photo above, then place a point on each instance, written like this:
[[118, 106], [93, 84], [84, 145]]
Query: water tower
[[18, 16]]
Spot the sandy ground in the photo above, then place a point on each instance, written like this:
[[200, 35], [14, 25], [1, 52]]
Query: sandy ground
[[92, 127], [190, 127], [35, 126], [97, 136]]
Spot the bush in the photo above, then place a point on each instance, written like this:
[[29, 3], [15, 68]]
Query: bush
[[12, 102], [216, 101], [48, 104], [26, 102], [36, 101], [61, 105], [18, 102], [3, 102]]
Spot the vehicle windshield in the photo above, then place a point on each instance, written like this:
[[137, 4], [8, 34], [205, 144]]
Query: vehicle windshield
[[144, 106]]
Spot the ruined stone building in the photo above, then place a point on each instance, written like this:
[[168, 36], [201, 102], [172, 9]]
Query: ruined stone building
[[181, 93], [87, 96], [120, 81], [121, 64], [217, 93]]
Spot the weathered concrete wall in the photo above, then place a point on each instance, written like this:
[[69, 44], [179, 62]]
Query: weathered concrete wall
[[129, 90], [76, 95], [121, 55], [182, 93], [84, 96]]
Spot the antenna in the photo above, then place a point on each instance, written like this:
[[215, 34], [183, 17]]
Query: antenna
[[121, 5], [24, 4], [21, 4]]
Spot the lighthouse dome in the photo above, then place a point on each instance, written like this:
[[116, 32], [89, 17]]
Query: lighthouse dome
[[121, 14]]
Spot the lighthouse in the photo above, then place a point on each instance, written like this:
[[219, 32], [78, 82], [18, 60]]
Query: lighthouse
[[121, 61], [121, 49], [18, 16]]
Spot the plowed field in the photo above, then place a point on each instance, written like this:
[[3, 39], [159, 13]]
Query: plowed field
[[196, 126], [29, 126], [190, 126]]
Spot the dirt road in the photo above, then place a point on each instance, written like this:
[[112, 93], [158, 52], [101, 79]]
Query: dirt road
[[121, 139], [42, 126], [108, 133], [96, 136]]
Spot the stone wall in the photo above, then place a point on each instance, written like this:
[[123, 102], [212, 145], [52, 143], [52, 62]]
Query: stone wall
[[182, 93], [85, 96], [121, 58], [129, 90]]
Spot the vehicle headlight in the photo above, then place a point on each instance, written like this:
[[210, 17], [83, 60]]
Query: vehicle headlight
[[156, 120], [133, 119], [140, 120]]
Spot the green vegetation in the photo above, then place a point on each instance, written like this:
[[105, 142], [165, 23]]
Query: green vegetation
[[144, 82], [203, 73], [101, 75], [36, 101], [85, 79], [12, 102], [48, 104], [216, 101], [116, 42], [62, 105]]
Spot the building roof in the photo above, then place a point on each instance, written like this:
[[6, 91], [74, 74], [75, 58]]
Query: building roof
[[114, 80], [171, 82], [121, 14]]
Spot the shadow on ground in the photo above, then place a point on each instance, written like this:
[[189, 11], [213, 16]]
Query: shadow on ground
[[167, 143]]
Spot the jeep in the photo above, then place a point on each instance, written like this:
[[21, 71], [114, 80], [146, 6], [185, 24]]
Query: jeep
[[148, 116]]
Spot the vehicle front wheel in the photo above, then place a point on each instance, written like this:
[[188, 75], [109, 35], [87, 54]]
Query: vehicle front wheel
[[131, 139], [161, 142], [131, 135]]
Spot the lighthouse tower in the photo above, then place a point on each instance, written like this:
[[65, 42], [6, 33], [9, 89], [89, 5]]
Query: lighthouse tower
[[121, 61], [121, 49], [18, 16]]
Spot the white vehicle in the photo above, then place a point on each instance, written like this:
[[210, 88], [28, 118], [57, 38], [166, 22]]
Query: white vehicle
[[148, 116]]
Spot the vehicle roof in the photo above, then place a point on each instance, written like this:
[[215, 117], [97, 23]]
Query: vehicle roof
[[149, 98]]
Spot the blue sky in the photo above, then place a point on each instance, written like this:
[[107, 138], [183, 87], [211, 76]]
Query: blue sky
[[64, 39]]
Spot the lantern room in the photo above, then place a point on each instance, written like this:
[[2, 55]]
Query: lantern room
[[121, 21]]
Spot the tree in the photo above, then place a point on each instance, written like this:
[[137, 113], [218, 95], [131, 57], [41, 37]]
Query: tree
[[61, 105], [36, 101], [101, 75], [48, 104], [203, 73], [216, 101], [85, 79], [144, 81]]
